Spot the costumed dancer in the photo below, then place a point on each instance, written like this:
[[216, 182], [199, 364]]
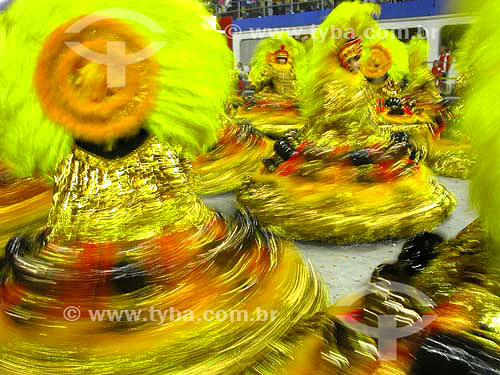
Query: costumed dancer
[[344, 181], [275, 68], [126, 231], [446, 157]]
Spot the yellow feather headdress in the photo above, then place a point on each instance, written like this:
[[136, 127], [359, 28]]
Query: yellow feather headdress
[[482, 118], [348, 20], [191, 77]]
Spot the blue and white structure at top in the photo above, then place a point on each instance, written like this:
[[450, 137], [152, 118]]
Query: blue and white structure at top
[[429, 17]]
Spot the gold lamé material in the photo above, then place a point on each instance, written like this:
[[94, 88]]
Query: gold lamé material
[[279, 79], [422, 88], [24, 205], [452, 155], [305, 208], [386, 89], [461, 281], [133, 198], [461, 276], [345, 119], [419, 126], [275, 109], [200, 272], [451, 159], [337, 203], [464, 256], [463, 264], [238, 154], [444, 157]]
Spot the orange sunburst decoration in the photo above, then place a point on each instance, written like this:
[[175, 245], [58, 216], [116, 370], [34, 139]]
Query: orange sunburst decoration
[[378, 64], [86, 83]]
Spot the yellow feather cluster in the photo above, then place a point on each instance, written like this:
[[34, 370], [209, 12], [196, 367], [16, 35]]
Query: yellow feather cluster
[[482, 118], [418, 52], [194, 77]]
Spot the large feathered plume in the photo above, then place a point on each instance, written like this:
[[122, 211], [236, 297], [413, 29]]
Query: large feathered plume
[[418, 52], [194, 77], [330, 36], [482, 118]]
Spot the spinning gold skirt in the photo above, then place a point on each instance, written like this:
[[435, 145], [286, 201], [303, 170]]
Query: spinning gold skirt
[[236, 155], [457, 275], [272, 114], [451, 159], [223, 299], [329, 207], [444, 157]]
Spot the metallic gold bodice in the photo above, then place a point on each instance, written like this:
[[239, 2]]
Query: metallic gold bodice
[[281, 78], [345, 118], [133, 198]]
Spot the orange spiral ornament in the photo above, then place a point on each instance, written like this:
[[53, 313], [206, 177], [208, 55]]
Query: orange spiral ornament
[[378, 64], [99, 83]]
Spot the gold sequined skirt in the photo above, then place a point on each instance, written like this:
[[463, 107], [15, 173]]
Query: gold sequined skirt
[[262, 301], [444, 157], [238, 154], [304, 208], [272, 114], [464, 285], [451, 159]]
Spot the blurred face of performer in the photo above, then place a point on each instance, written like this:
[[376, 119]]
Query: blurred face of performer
[[353, 64], [282, 61]]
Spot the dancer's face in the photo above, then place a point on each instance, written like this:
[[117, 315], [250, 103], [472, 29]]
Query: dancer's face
[[353, 64], [282, 61]]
